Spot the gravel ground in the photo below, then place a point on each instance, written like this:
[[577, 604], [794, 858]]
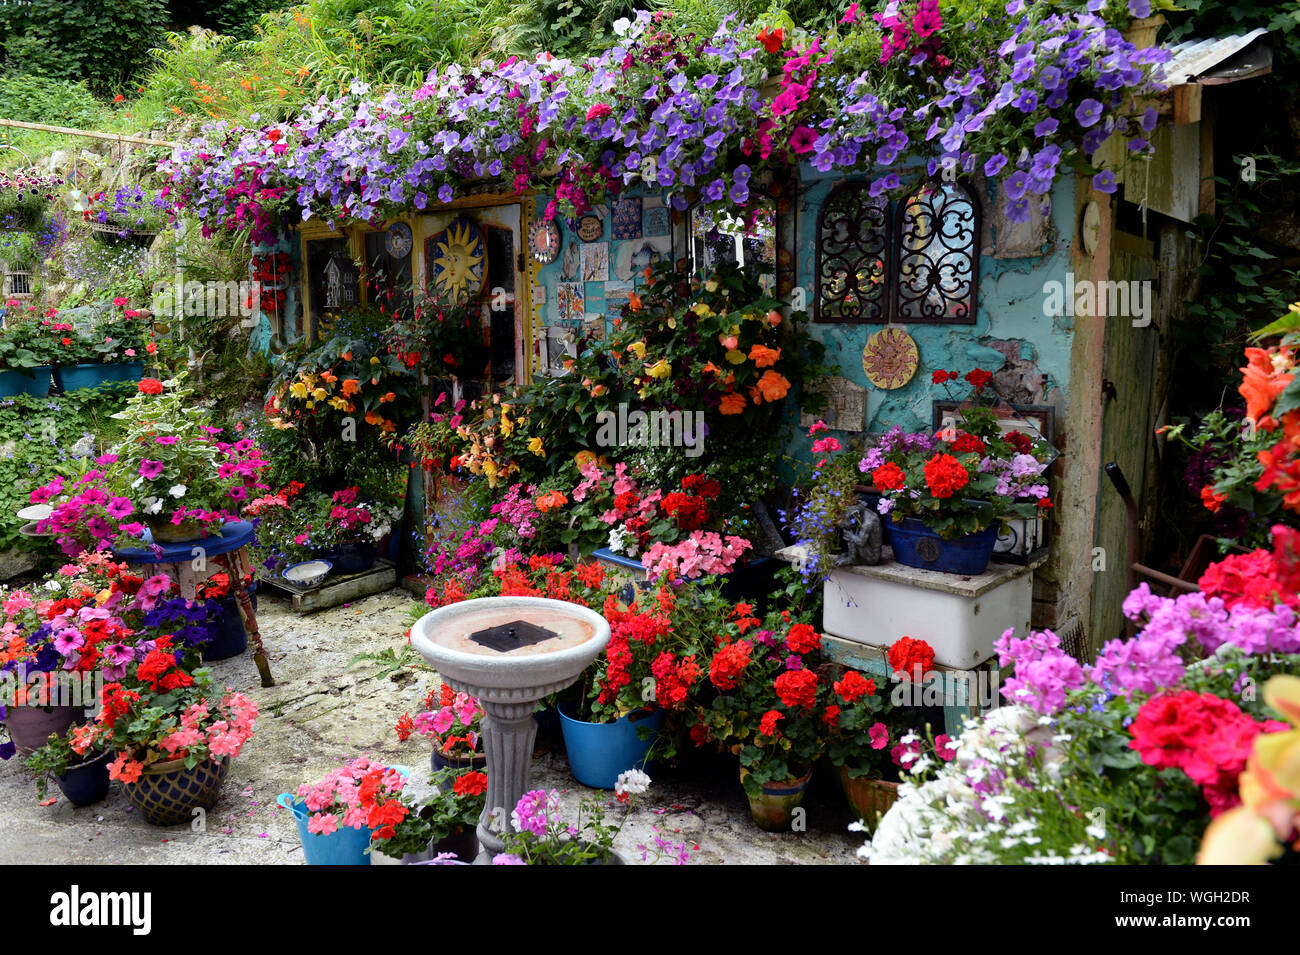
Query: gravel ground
[[322, 710]]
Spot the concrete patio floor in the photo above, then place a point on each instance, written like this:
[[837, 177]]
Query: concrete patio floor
[[322, 711]]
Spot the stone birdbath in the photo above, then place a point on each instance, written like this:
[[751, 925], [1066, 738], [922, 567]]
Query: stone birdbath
[[509, 652]]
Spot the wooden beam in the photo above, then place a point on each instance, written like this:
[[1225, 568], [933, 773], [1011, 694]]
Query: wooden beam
[[90, 133], [1205, 201], [1187, 104]]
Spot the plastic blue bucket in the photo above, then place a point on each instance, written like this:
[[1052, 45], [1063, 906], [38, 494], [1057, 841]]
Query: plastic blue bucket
[[344, 846], [598, 752], [915, 545]]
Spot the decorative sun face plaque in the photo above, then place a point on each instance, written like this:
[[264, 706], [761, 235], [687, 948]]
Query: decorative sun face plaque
[[459, 260], [544, 241], [890, 358], [397, 241]]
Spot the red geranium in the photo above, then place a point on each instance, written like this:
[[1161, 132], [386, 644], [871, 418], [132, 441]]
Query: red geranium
[[150, 386], [907, 654], [797, 688], [728, 663], [852, 686], [966, 443], [978, 378], [470, 784], [803, 639], [888, 477], [944, 475], [767, 725]]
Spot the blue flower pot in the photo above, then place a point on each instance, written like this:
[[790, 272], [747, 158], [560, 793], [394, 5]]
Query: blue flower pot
[[342, 847], [598, 752], [915, 545], [87, 783], [16, 383], [229, 638], [76, 377], [351, 558]]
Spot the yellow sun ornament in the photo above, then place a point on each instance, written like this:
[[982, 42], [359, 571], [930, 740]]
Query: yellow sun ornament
[[459, 260]]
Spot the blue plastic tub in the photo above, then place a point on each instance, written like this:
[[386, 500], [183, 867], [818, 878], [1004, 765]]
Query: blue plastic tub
[[598, 752], [16, 383], [76, 377], [342, 847], [915, 545]]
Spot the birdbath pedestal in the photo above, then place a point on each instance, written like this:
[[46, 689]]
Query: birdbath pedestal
[[509, 652]]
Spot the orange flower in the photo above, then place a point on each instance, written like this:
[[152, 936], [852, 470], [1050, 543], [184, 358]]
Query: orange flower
[[388, 397], [373, 417], [351, 386], [634, 302], [773, 385], [763, 356], [550, 501], [733, 404], [1261, 383]]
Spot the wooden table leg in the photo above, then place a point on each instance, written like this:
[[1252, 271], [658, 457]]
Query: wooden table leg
[[254, 635], [241, 575]]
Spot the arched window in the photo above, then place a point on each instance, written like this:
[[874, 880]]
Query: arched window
[[935, 236], [915, 262], [852, 256]]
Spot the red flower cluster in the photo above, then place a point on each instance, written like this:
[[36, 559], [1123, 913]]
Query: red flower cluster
[[803, 639], [115, 701], [853, 686], [689, 512], [967, 443], [1207, 737], [797, 688], [728, 663], [906, 655], [888, 477], [1260, 578], [767, 725], [978, 378], [673, 679], [944, 475], [470, 784], [153, 670], [149, 386], [627, 629], [1022, 442]]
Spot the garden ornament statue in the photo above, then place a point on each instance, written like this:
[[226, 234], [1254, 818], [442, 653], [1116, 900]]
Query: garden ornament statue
[[861, 533]]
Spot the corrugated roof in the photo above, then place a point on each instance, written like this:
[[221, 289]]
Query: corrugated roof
[[1193, 59]]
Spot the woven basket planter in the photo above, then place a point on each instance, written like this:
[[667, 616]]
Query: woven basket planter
[[166, 794]]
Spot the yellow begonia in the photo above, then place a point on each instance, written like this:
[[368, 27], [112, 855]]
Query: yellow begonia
[[637, 348], [298, 390], [660, 369], [535, 446], [735, 357]]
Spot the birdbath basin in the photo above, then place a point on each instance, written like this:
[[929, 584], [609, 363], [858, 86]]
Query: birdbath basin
[[509, 652]]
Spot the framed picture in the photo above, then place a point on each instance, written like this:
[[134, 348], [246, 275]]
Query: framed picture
[[1025, 539], [627, 218]]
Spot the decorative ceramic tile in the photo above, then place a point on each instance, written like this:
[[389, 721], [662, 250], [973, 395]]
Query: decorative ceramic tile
[[627, 218]]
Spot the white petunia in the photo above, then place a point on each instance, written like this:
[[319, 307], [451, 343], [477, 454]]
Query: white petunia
[[177, 490]]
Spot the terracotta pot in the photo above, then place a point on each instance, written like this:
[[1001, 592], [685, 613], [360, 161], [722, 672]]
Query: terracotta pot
[[869, 798], [1142, 33], [774, 806], [30, 726], [166, 794]]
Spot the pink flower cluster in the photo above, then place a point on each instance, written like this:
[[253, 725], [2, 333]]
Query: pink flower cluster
[[516, 508], [85, 514], [464, 709], [1044, 673], [703, 553], [337, 798], [224, 736]]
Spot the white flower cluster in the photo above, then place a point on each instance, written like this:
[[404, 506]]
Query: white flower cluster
[[963, 815]]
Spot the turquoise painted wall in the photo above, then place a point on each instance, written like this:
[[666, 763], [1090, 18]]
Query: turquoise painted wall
[[1010, 307]]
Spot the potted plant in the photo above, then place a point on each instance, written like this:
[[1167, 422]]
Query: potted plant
[[454, 726], [173, 739], [229, 638], [441, 826], [86, 513], [130, 212], [111, 350], [769, 711], [338, 816], [947, 494], [538, 833], [81, 771], [649, 671], [185, 482]]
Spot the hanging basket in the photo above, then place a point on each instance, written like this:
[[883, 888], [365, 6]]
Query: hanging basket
[[109, 232]]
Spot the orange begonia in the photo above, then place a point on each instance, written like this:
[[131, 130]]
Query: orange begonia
[[763, 356], [351, 386], [733, 403], [773, 385], [1262, 381]]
